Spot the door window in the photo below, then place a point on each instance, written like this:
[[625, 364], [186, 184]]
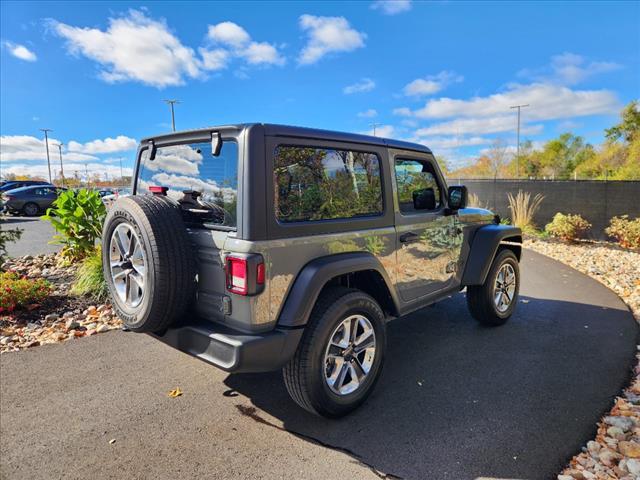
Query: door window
[[418, 189]]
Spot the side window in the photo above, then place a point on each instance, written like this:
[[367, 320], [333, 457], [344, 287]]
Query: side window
[[418, 188], [39, 191], [322, 183]]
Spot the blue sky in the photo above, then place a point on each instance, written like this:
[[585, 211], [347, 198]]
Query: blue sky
[[440, 73]]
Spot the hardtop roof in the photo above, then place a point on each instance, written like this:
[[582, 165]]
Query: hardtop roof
[[300, 132]]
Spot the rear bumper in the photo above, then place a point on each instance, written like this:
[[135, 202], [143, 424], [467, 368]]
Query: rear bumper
[[231, 350]]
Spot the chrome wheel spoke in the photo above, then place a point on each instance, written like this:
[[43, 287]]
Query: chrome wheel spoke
[[349, 355], [358, 371], [127, 262], [504, 287]]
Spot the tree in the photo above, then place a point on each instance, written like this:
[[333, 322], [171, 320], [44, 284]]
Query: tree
[[498, 157], [561, 156], [629, 126]]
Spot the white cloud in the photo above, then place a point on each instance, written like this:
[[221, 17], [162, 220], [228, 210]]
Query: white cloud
[[478, 126], [134, 47], [569, 69], [364, 85], [442, 143], [385, 131], [109, 145], [237, 42], [327, 35], [258, 53], [214, 59], [546, 102], [431, 84], [27, 148], [229, 34], [20, 51], [368, 113], [403, 111], [391, 7]]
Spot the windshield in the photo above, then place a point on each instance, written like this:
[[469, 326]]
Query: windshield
[[205, 186]]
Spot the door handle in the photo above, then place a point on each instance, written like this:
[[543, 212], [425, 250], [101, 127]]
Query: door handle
[[409, 237]]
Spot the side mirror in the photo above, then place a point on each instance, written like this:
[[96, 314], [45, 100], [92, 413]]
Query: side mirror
[[424, 199], [457, 197], [216, 144]]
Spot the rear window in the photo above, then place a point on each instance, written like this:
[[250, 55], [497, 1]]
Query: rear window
[[205, 186], [321, 184]]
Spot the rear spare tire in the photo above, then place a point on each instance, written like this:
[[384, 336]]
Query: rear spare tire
[[147, 262]]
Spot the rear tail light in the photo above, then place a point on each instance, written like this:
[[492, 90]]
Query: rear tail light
[[245, 274]]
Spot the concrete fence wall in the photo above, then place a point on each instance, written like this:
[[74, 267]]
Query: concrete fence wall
[[596, 201]]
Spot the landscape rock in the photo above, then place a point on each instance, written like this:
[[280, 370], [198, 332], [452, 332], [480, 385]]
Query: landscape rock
[[623, 423], [71, 324], [629, 449]]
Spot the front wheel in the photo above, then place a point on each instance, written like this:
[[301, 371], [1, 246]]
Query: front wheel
[[493, 302], [30, 209], [340, 356]]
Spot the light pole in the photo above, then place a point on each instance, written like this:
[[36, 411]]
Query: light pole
[[46, 142], [171, 103], [121, 176], [518, 145], [374, 125], [61, 169], [86, 173]]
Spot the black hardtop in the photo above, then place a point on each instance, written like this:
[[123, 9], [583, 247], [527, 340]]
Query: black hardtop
[[276, 130]]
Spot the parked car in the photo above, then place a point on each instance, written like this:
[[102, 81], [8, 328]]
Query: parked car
[[30, 201], [294, 247], [121, 192], [13, 184]]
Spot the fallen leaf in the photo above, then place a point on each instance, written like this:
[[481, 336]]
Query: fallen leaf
[[175, 393]]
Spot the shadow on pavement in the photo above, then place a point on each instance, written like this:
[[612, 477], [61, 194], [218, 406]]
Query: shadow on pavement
[[12, 220], [457, 400]]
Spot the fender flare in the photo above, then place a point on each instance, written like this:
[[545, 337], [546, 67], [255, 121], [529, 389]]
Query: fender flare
[[314, 276], [484, 246]]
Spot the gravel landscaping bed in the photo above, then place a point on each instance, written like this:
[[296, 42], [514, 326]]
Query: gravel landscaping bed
[[615, 452], [60, 317]]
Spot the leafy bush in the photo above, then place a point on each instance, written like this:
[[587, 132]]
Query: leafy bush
[[90, 277], [19, 291], [523, 209], [7, 236], [625, 231], [77, 217], [567, 227]]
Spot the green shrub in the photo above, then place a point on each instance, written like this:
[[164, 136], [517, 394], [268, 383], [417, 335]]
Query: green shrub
[[90, 277], [7, 236], [18, 291], [567, 227], [625, 231], [77, 217]]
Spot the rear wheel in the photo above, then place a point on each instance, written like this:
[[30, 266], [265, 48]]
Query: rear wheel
[[493, 302], [340, 356], [147, 262], [30, 209]]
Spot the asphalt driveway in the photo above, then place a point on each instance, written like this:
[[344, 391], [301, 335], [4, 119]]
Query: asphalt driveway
[[455, 400], [35, 238]]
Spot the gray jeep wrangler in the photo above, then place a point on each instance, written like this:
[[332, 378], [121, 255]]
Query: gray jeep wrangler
[[260, 247]]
